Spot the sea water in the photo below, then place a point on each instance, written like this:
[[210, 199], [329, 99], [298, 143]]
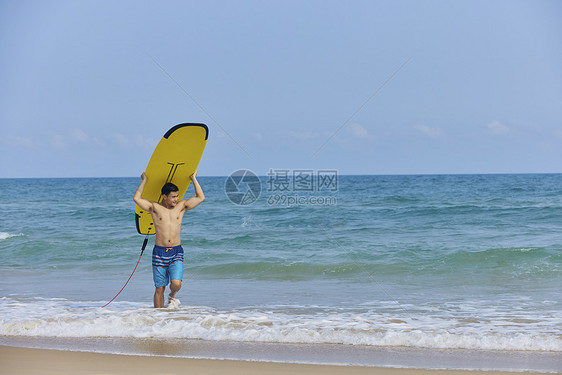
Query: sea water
[[444, 262]]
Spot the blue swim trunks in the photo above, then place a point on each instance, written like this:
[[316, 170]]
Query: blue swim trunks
[[167, 264]]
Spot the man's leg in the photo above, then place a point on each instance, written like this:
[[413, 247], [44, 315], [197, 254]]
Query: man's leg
[[159, 297], [176, 276], [160, 276], [175, 286]]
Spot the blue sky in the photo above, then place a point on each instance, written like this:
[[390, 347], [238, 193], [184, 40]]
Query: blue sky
[[461, 86]]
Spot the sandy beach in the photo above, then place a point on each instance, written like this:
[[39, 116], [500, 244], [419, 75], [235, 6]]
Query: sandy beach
[[43, 362]]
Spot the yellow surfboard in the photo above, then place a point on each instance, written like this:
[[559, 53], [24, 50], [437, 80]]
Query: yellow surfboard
[[175, 159]]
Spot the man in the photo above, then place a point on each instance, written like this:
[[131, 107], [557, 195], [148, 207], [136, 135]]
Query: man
[[167, 255]]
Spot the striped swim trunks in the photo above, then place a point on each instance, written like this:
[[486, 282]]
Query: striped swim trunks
[[167, 264]]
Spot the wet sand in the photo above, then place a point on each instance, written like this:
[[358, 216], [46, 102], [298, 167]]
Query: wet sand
[[41, 361]]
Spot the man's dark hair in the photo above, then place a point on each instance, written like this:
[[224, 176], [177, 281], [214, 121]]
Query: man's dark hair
[[168, 188]]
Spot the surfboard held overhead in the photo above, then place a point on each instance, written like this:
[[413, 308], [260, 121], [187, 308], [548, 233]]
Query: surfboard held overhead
[[175, 158]]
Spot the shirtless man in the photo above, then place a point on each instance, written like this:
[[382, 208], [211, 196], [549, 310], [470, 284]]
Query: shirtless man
[[167, 255]]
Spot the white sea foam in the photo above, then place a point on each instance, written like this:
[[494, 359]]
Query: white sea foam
[[71, 319], [174, 304], [5, 235]]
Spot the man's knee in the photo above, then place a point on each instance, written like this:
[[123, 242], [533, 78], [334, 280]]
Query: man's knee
[[175, 284], [160, 290]]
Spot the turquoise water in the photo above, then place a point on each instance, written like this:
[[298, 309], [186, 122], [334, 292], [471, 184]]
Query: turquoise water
[[440, 262]]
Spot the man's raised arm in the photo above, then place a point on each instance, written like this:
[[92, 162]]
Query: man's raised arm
[[199, 197], [141, 202]]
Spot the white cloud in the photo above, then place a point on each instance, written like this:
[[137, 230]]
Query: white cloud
[[22, 142], [141, 141], [136, 140], [355, 130], [305, 135], [360, 132], [497, 128], [57, 141], [257, 136], [433, 132], [79, 135], [120, 138]]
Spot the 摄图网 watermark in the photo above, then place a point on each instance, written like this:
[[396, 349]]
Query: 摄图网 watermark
[[287, 187]]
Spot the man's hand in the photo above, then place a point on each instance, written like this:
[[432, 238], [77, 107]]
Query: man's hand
[[193, 175], [144, 177]]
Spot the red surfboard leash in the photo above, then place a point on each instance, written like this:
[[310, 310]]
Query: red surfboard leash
[[132, 273]]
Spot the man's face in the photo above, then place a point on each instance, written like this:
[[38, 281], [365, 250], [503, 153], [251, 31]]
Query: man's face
[[171, 199]]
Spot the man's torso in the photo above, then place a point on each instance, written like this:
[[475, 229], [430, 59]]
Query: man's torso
[[167, 223]]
